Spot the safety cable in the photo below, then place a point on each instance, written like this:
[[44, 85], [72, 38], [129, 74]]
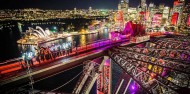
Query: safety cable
[[67, 82]]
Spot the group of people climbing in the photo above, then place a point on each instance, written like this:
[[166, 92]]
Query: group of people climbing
[[45, 53]]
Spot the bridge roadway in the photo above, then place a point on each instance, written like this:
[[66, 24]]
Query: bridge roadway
[[42, 72]]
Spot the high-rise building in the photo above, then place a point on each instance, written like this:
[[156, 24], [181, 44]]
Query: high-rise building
[[177, 12], [119, 6], [123, 6], [188, 20], [143, 5], [132, 14], [151, 5], [185, 19], [157, 18], [75, 10], [188, 14], [90, 9], [165, 15], [161, 7]]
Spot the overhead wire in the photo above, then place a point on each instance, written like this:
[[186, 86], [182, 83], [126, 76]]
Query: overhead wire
[[66, 82]]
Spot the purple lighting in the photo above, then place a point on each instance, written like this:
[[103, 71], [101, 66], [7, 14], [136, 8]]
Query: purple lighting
[[133, 87]]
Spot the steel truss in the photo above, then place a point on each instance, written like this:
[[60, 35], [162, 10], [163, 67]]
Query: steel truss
[[142, 76], [183, 38], [29, 73], [170, 45], [179, 77], [90, 74], [184, 68], [175, 40], [168, 54], [161, 66], [86, 76]]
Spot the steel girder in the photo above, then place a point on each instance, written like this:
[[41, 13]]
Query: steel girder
[[175, 40], [183, 38], [168, 54], [166, 60], [178, 77], [142, 76], [90, 73], [170, 45], [86, 77], [184, 68]]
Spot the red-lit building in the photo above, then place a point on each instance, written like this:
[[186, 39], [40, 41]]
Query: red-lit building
[[188, 20], [174, 18], [119, 19], [156, 20], [176, 2]]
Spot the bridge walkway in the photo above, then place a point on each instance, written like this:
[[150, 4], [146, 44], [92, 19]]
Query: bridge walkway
[[61, 63]]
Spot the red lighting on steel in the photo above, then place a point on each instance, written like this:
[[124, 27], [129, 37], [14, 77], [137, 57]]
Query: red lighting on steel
[[188, 21], [152, 75]]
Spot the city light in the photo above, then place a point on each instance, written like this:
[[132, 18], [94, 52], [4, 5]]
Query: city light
[[75, 47]]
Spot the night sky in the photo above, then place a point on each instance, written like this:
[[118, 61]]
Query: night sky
[[70, 4]]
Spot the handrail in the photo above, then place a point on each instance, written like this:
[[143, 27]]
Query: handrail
[[10, 60], [99, 41], [94, 42]]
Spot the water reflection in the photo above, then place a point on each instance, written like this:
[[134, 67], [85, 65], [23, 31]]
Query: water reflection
[[70, 39], [82, 40]]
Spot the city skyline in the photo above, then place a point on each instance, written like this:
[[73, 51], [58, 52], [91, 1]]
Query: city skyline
[[95, 46], [70, 4]]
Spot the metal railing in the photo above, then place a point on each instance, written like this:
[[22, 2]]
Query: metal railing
[[10, 60], [4, 66]]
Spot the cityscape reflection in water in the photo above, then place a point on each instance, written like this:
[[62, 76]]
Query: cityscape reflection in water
[[80, 40], [15, 30], [83, 39]]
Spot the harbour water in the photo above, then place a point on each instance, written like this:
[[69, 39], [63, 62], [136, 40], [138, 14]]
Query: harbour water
[[11, 32], [10, 49]]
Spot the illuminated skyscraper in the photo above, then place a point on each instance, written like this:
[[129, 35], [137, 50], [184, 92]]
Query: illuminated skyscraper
[[90, 9], [150, 9], [143, 5], [119, 6], [177, 12], [123, 6], [75, 10], [188, 14], [156, 20], [185, 19], [132, 14], [165, 15]]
